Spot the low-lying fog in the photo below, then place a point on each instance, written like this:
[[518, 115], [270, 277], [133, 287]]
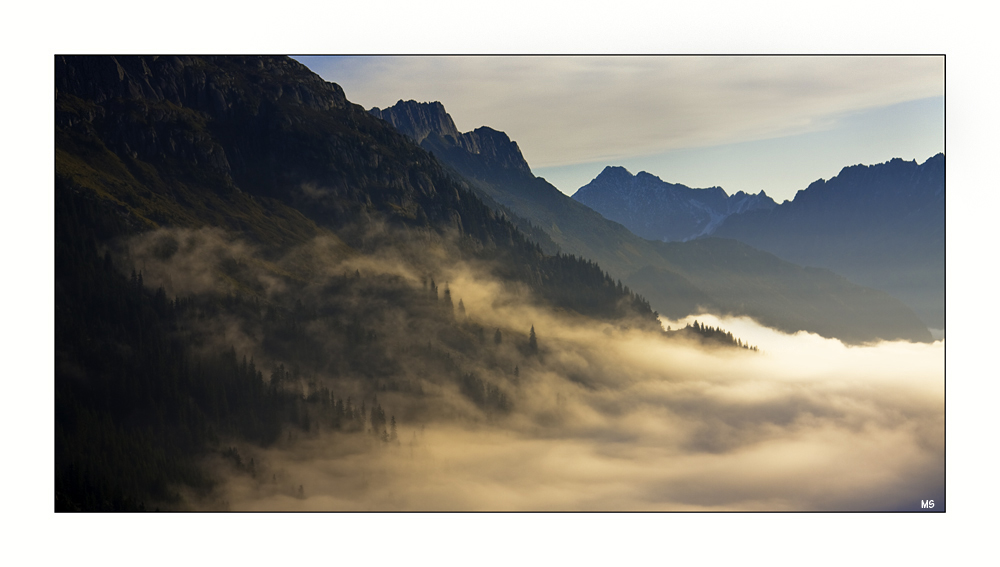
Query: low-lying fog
[[807, 424], [603, 418]]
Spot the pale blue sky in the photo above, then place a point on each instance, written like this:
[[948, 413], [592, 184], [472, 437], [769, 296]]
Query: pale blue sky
[[781, 166], [742, 123]]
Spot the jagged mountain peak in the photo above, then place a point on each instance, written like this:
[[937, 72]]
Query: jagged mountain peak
[[658, 210], [614, 172], [418, 119], [430, 125], [681, 277], [890, 180]]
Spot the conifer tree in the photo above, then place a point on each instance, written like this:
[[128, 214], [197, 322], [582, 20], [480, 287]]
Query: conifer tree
[[532, 340], [447, 298]]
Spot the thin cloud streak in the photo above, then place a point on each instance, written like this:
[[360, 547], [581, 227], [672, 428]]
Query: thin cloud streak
[[569, 110]]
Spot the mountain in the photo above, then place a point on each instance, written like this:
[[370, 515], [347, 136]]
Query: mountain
[[657, 210], [678, 279], [879, 225], [240, 251], [265, 148], [432, 127]]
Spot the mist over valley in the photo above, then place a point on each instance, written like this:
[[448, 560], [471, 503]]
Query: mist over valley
[[269, 298]]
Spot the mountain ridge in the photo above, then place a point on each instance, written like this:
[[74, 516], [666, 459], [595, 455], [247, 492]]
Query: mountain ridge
[[668, 276], [657, 210], [265, 148], [264, 217], [881, 225]]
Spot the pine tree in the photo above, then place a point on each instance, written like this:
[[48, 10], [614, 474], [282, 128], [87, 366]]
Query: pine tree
[[532, 340], [447, 298], [461, 308]]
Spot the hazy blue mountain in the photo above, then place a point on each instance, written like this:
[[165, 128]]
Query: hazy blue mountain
[[880, 225], [678, 279], [657, 210]]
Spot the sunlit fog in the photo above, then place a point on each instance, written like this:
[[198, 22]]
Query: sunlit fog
[[603, 417]]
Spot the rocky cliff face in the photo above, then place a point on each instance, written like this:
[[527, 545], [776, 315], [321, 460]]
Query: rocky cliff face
[[418, 119], [657, 210], [216, 85], [169, 108], [188, 141], [432, 127]]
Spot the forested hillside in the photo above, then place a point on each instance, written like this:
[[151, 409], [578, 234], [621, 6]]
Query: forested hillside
[[243, 256]]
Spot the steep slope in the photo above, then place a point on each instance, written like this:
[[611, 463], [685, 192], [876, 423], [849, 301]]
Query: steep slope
[[880, 225], [677, 278], [263, 147], [657, 210], [263, 217]]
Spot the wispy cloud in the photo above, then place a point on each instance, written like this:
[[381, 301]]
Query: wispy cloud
[[566, 110]]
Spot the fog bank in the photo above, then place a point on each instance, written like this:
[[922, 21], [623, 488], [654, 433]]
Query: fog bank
[[619, 421]]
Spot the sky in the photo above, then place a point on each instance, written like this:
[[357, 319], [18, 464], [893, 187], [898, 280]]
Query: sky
[[752, 124]]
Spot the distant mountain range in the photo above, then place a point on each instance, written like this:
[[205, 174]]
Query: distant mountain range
[[679, 278], [657, 210], [879, 225]]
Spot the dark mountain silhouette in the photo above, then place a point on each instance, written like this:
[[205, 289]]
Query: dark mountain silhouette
[[880, 225], [657, 210], [259, 150], [678, 279], [265, 148]]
